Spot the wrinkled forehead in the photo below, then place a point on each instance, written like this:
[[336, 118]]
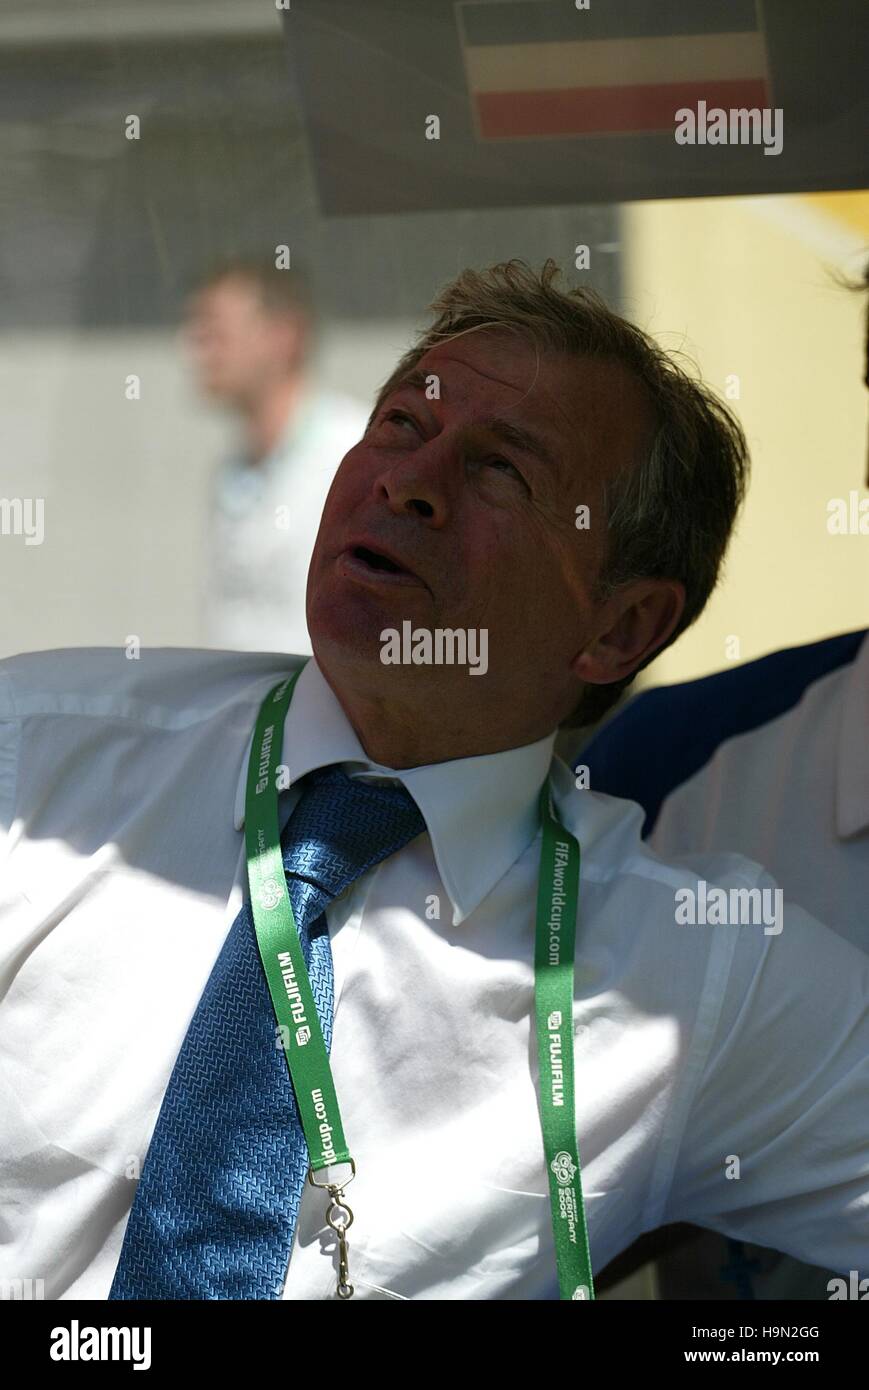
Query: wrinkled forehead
[[592, 410]]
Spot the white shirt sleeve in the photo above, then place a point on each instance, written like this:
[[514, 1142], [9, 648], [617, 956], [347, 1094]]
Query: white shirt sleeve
[[775, 1145]]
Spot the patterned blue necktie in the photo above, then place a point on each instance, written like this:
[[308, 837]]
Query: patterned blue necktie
[[217, 1203]]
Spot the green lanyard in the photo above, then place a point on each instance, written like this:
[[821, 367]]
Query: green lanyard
[[302, 1037], [557, 897]]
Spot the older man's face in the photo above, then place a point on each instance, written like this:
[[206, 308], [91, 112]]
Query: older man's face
[[460, 512]]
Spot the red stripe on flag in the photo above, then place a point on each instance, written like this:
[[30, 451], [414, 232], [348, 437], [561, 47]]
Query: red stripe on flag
[[607, 110]]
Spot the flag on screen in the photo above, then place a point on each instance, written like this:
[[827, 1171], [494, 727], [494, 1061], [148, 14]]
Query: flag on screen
[[543, 68]]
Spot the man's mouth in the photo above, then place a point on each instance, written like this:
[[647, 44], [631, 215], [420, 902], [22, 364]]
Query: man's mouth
[[376, 560], [365, 562]]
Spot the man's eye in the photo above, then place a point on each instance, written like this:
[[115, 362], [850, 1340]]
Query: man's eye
[[401, 415], [502, 465]]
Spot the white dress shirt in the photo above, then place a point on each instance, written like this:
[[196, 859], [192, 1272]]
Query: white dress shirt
[[791, 792], [122, 787], [264, 522], [794, 794]]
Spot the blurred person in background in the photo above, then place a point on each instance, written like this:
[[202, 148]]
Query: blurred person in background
[[250, 332], [770, 760]]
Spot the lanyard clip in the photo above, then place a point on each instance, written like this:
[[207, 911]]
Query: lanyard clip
[[339, 1217], [332, 1180]]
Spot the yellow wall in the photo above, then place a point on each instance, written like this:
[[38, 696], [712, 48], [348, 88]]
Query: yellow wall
[[747, 286]]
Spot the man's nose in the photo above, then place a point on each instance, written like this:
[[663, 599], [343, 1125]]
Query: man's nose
[[421, 483]]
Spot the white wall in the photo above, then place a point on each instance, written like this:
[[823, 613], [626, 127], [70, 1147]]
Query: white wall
[[747, 287]]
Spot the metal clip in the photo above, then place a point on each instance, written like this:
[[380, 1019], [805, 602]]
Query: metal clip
[[337, 1206], [340, 1225]]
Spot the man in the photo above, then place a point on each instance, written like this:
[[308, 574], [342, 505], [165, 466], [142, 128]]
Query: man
[[770, 759], [699, 1051], [250, 329]]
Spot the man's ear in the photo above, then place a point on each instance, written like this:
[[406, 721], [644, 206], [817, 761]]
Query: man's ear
[[636, 621]]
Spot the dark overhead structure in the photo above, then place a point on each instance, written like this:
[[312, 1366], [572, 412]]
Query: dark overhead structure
[[542, 102]]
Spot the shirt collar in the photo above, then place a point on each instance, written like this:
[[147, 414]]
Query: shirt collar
[[481, 813], [852, 770]]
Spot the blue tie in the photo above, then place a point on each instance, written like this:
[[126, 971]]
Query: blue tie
[[217, 1202]]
